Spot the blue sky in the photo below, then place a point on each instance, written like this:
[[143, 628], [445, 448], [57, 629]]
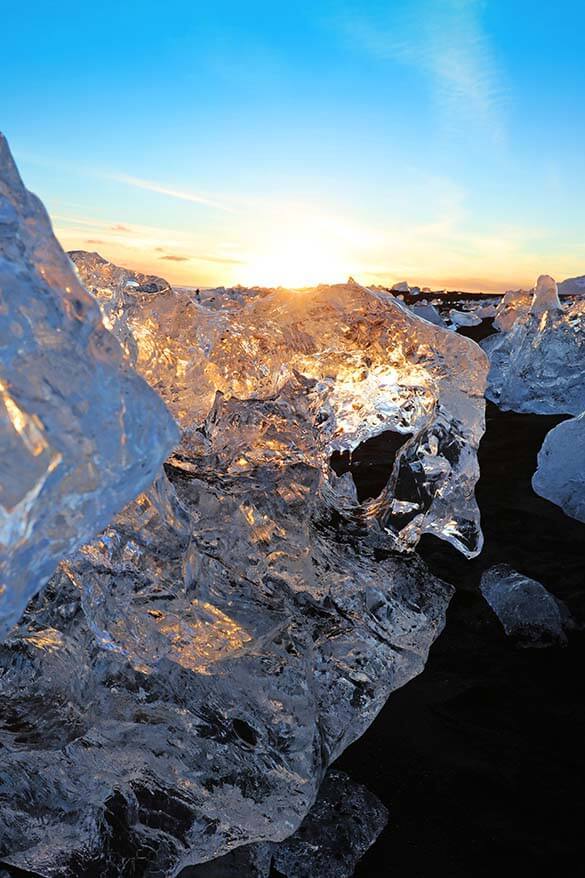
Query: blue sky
[[435, 140]]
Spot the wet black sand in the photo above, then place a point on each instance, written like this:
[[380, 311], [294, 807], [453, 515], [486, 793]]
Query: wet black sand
[[481, 759]]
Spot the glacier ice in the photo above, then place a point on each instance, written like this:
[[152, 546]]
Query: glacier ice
[[192, 671], [573, 286], [515, 305], [80, 432], [344, 822], [527, 611], [374, 367], [537, 365], [427, 312], [560, 476], [187, 676], [185, 679], [463, 318]]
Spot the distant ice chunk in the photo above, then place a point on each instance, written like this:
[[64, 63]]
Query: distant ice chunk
[[515, 305], [546, 298], [80, 432], [537, 366], [428, 312], [464, 318], [527, 611], [573, 286], [486, 311], [401, 287], [560, 476]]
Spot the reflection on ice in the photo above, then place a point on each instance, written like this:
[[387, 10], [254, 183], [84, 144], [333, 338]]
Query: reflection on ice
[[537, 365], [187, 677], [371, 366]]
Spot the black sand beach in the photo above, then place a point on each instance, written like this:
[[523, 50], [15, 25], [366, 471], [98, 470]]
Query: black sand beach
[[480, 759]]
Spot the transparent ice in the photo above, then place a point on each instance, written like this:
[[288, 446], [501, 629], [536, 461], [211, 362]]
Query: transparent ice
[[560, 476], [186, 678], [80, 432], [344, 822], [373, 367], [515, 305], [427, 312], [528, 612], [537, 366]]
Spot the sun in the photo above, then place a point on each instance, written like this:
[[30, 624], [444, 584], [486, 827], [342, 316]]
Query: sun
[[301, 252]]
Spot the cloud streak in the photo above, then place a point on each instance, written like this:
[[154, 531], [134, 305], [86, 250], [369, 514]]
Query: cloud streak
[[448, 43], [170, 192]]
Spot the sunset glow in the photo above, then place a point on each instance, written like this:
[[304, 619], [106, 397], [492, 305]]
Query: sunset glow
[[387, 141]]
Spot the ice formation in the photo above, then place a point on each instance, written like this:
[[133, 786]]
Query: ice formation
[[80, 433], [427, 312], [343, 823], [527, 611], [194, 670], [463, 318], [185, 680], [573, 286], [560, 476], [537, 366], [515, 305], [371, 366]]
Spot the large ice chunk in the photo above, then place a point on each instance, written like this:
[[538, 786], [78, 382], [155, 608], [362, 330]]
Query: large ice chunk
[[375, 367], [80, 432], [560, 476], [527, 611], [193, 671], [537, 366]]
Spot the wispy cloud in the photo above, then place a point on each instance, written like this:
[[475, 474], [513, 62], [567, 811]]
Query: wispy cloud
[[171, 257], [447, 41], [220, 260], [171, 192]]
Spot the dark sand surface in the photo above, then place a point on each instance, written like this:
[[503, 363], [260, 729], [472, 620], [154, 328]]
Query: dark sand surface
[[481, 759]]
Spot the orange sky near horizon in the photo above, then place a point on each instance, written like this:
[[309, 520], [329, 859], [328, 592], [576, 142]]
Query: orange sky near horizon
[[300, 259]]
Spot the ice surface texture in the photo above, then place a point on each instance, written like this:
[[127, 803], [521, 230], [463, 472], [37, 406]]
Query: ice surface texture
[[515, 305], [343, 823], [560, 476], [186, 679], [427, 312], [537, 366], [80, 432], [372, 366], [183, 683], [527, 611]]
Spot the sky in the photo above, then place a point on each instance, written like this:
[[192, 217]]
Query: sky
[[438, 141]]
